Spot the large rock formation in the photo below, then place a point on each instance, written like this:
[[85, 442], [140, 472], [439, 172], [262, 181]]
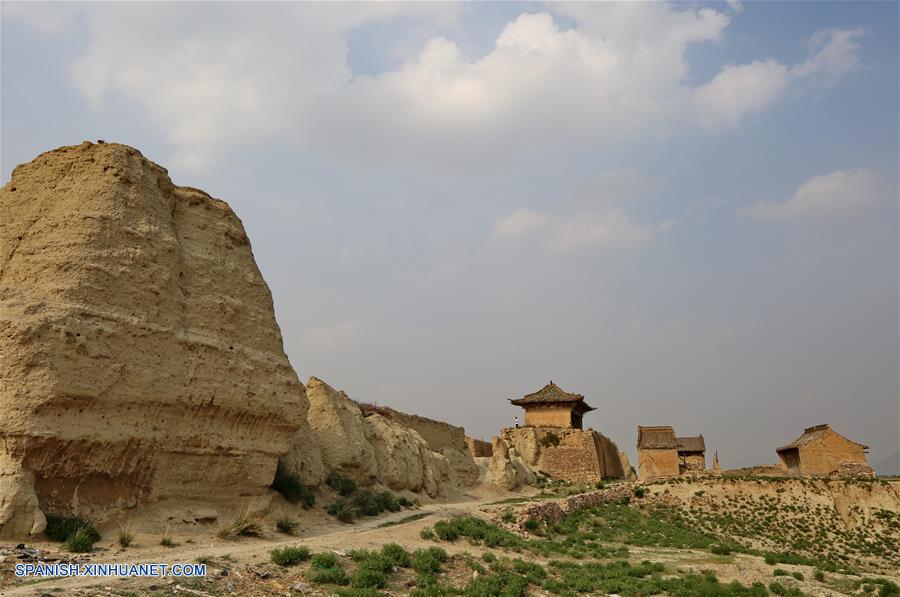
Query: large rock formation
[[139, 354], [372, 448]]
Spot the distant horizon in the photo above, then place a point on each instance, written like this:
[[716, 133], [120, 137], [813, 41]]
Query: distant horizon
[[687, 213]]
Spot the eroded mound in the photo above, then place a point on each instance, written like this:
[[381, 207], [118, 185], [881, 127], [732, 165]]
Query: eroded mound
[[140, 358]]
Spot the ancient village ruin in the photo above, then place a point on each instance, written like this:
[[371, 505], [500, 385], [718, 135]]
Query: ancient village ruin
[[662, 454], [553, 443], [822, 451]]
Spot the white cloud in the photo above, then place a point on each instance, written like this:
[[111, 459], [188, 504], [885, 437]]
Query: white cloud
[[833, 195], [602, 230], [518, 223], [342, 335], [735, 5], [216, 78], [833, 54], [738, 91], [609, 230]]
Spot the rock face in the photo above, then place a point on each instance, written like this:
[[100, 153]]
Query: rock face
[[627, 470], [140, 358], [372, 448], [574, 455], [507, 469]]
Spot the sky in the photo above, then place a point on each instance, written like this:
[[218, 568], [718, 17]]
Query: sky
[[686, 212]]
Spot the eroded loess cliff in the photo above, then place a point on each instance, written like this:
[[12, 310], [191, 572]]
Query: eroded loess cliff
[[372, 449], [140, 358]]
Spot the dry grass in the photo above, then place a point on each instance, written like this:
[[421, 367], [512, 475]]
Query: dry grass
[[248, 522], [125, 536]]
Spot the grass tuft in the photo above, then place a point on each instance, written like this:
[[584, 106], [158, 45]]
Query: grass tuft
[[247, 523]]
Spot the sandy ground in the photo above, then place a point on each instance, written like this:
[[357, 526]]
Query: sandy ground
[[318, 531]]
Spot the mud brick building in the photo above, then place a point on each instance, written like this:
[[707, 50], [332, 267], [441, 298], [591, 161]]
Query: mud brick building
[[822, 451]]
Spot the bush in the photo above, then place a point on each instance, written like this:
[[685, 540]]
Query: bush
[[323, 561], [720, 550], [82, 540], [639, 492], [286, 524], [780, 589], [60, 528], [780, 572], [288, 556], [362, 502], [340, 484], [289, 486], [368, 578], [330, 576], [532, 524], [396, 555], [428, 561], [549, 439], [426, 533]]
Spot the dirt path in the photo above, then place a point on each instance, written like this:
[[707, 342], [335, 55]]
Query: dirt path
[[319, 532]]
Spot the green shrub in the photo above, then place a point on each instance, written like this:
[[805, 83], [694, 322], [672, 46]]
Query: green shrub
[[720, 550], [82, 540], [780, 572], [396, 555], [639, 492], [368, 578], [289, 486], [549, 439], [532, 524], [508, 516], [356, 592], [426, 533], [286, 524], [324, 560], [779, 589], [362, 502], [340, 484], [60, 528], [428, 561], [329, 576], [288, 556]]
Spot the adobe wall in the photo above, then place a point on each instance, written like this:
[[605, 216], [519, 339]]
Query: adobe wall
[[438, 434], [548, 416], [479, 448], [653, 464], [610, 457], [826, 454], [694, 463]]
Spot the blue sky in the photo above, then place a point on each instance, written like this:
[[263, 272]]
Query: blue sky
[[688, 213]]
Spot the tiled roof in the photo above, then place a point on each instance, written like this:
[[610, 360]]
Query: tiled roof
[[811, 434], [691, 444], [659, 437], [550, 393]]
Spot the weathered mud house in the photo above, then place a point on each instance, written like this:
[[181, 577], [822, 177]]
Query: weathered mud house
[[822, 451], [662, 454]]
